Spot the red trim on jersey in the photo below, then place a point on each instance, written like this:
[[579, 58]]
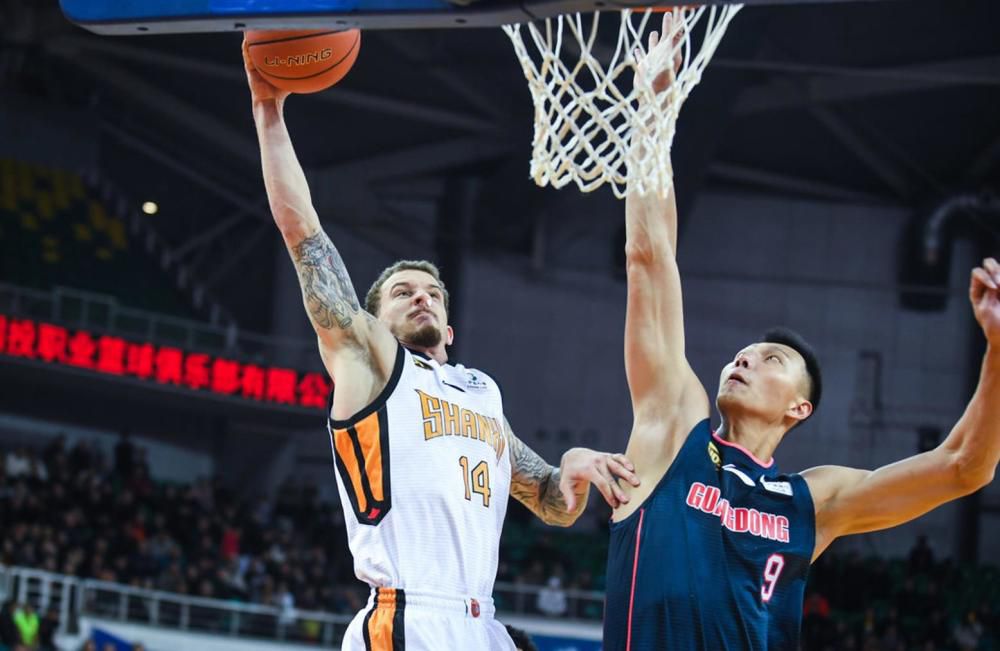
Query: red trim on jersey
[[744, 451], [635, 569]]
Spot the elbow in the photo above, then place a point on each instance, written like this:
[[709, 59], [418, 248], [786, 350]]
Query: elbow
[[293, 217], [970, 473], [292, 227], [982, 480], [636, 254], [646, 254]]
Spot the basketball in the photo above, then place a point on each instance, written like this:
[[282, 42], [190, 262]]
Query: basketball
[[303, 61]]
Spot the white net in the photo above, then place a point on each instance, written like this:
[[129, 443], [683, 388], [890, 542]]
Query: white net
[[595, 121]]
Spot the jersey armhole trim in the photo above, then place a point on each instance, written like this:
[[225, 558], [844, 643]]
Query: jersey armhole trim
[[380, 400], [361, 455], [666, 475], [810, 513]]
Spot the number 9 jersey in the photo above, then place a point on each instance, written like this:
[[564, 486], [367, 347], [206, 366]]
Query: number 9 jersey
[[424, 476], [715, 559]]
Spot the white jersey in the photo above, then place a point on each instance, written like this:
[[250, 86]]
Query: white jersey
[[424, 475]]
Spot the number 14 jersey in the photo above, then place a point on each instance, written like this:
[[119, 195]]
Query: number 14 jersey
[[424, 475]]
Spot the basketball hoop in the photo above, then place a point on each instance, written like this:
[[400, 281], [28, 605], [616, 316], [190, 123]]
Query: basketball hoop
[[592, 124]]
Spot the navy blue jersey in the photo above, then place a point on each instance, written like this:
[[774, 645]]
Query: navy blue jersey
[[715, 559]]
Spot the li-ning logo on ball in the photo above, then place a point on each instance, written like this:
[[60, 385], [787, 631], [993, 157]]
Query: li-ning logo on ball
[[299, 59]]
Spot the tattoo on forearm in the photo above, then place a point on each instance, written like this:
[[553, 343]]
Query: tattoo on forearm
[[326, 286], [535, 484]]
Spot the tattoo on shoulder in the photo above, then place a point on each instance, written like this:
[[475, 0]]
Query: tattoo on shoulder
[[326, 286]]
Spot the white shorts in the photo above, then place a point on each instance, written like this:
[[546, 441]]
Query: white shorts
[[397, 620]]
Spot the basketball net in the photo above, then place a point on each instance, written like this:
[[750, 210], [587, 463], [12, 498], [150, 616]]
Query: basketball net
[[593, 125]]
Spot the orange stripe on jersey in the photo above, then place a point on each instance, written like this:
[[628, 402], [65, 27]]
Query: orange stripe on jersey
[[345, 453], [362, 457], [369, 437], [361, 452], [383, 626]]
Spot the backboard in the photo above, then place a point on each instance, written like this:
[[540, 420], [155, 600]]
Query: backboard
[[122, 17]]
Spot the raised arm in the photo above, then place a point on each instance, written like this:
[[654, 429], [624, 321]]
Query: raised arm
[[851, 501], [659, 376], [559, 495], [667, 398], [352, 343]]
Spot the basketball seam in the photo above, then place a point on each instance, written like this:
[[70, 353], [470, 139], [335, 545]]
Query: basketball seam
[[333, 65], [296, 38]]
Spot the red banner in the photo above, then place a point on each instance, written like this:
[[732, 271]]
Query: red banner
[[199, 372]]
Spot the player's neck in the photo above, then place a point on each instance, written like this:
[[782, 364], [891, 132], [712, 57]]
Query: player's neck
[[438, 353], [758, 437]]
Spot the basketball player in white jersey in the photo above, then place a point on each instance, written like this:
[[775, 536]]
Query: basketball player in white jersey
[[425, 459]]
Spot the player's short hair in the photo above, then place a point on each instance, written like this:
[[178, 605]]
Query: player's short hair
[[521, 639], [792, 339], [373, 300]]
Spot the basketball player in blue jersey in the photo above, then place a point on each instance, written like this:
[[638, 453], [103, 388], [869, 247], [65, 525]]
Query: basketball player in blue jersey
[[424, 458], [712, 551]]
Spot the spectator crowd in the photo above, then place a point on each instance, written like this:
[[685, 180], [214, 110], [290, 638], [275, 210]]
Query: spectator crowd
[[917, 604], [70, 511]]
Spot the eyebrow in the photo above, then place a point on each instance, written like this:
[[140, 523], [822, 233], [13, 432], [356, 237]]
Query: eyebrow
[[407, 284]]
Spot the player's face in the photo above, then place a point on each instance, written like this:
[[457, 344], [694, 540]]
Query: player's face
[[413, 309], [767, 380]]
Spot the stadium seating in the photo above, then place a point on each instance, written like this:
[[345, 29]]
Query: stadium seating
[[55, 231]]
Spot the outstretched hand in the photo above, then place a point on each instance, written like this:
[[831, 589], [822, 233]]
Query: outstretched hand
[[261, 90], [581, 466], [984, 293], [653, 61]]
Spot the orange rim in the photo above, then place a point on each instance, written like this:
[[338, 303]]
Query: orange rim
[[662, 9]]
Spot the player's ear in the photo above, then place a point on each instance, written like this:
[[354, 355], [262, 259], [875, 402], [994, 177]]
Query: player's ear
[[800, 410], [450, 338]]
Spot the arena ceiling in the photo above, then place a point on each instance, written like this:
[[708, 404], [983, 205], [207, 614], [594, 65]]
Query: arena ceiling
[[894, 102]]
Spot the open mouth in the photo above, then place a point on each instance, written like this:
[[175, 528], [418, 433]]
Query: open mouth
[[736, 377]]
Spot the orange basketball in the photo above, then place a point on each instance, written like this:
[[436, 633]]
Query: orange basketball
[[303, 61]]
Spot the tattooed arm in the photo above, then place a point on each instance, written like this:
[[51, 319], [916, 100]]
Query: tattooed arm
[[352, 343], [559, 495]]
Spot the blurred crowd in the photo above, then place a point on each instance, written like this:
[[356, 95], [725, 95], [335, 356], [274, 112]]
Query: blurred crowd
[[916, 604], [71, 511]]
